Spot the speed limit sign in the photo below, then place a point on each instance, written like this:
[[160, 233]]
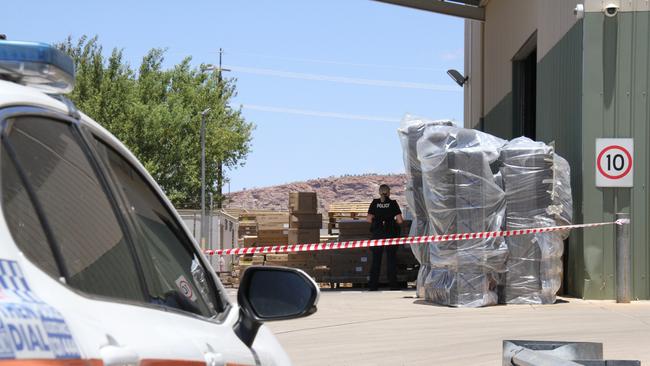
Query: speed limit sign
[[614, 162]]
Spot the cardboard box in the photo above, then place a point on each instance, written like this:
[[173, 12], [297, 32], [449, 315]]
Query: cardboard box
[[303, 202], [306, 221]]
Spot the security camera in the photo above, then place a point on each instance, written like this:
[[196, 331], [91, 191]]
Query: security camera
[[579, 11], [611, 9]]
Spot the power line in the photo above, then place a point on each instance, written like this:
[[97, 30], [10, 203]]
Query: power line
[[342, 63], [344, 79], [305, 112], [184, 52]]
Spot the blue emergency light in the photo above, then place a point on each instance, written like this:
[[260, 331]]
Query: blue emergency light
[[38, 65]]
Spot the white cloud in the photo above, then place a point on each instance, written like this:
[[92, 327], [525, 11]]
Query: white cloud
[[345, 80], [452, 55], [304, 112]]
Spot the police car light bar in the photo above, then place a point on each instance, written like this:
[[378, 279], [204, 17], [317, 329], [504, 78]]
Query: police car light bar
[[38, 65]]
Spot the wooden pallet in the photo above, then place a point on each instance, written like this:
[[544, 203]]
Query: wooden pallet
[[246, 214], [248, 219], [345, 210], [253, 214], [347, 207], [247, 228]]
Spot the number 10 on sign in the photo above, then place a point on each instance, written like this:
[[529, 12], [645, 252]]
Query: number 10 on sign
[[614, 162]]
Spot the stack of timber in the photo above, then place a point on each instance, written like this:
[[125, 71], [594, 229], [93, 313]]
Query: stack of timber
[[304, 228], [272, 229], [305, 222], [302, 225], [248, 220], [344, 211], [227, 278], [310, 262], [247, 227], [242, 263], [353, 230], [349, 266], [353, 265]]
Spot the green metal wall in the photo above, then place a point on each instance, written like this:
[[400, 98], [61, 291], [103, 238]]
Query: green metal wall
[[559, 119], [595, 83], [615, 104], [499, 120]]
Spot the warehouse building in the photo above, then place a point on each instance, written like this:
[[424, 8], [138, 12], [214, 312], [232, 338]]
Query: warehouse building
[[567, 72]]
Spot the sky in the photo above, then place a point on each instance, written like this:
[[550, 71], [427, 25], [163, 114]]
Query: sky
[[326, 83]]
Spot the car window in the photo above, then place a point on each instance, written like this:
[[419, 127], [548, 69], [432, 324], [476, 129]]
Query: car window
[[174, 274], [22, 219], [84, 226]]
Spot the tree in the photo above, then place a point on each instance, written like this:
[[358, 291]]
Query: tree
[[156, 113]]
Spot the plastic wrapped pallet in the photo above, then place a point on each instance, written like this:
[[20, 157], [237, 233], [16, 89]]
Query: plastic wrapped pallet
[[461, 196], [410, 131], [538, 194]]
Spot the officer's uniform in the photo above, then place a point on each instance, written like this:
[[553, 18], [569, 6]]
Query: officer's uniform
[[384, 226]]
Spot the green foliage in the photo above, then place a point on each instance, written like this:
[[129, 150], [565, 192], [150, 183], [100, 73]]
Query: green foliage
[[157, 114]]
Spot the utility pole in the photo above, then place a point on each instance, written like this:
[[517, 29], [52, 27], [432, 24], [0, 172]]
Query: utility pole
[[204, 225], [210, 220], [219, 69], [220, 162]]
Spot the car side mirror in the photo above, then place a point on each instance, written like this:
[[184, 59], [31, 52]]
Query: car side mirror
[[273, 293]]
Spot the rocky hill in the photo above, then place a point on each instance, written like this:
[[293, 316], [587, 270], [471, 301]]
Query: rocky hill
[[351, 188]]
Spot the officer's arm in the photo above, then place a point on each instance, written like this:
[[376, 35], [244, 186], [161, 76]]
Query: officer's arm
[[371, 212], [399, 219]]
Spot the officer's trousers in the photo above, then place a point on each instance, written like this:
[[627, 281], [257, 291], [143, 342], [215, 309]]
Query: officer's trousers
[[391, 266]]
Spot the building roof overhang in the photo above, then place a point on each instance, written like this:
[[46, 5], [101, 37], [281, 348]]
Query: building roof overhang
[[469, 9]]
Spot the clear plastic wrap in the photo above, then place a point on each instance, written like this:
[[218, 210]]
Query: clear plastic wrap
[[461, 196], [460, 181], [538, 194], [410, 131], [562, 208]]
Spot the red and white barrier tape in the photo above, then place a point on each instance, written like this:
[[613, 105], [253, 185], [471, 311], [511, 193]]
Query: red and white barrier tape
[[273, 249]]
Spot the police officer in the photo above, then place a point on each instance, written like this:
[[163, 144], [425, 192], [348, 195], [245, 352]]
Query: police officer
[[385, 217]]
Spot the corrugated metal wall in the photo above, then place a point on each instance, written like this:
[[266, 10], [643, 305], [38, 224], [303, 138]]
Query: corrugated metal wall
[[508, 24], [559, 119], [473, 68], [593, 80], [498, 121], [615, 104]]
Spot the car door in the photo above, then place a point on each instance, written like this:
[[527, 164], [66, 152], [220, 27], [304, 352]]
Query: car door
[[81, 257], [176, 273]]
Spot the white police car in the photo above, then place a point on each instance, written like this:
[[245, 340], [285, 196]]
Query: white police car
[[96, 267]]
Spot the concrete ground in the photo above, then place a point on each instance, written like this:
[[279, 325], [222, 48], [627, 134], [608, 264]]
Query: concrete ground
[[394, 328]]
